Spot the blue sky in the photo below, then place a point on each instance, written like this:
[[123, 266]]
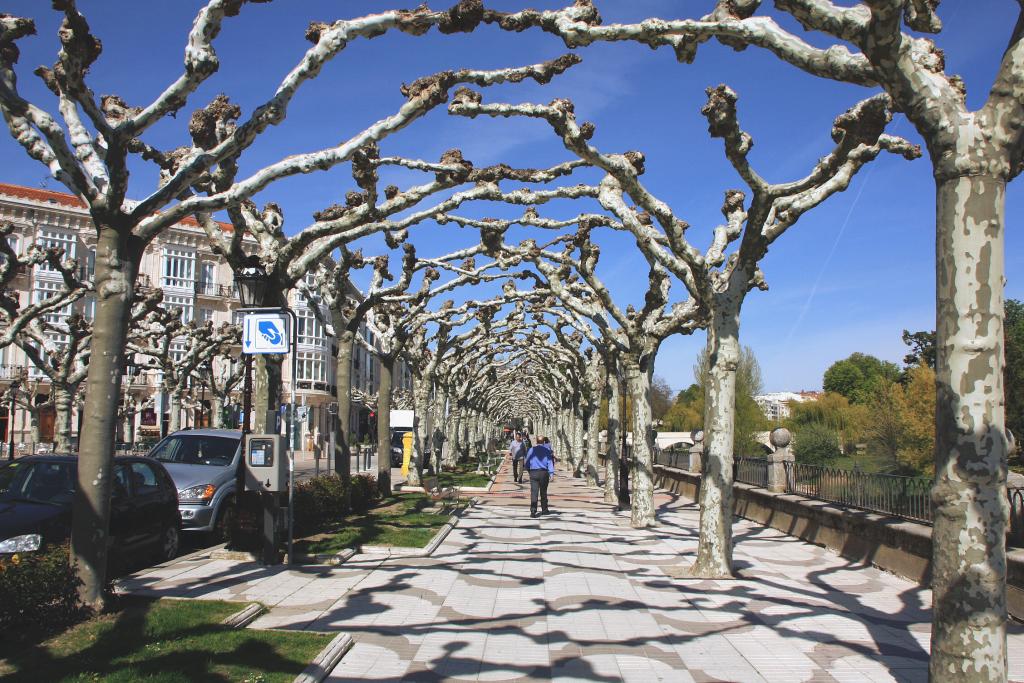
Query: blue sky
[[848, 277]]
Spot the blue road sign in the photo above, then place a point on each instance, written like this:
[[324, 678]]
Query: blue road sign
[[265, 333]]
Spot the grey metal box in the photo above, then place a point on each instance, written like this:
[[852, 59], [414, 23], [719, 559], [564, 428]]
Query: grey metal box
[[266, 463]]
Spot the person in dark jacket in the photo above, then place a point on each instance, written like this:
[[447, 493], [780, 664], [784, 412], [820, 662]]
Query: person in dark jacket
[[540, 462]]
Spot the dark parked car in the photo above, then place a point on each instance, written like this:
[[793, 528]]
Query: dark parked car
[[203, 463], [397, 446], [35, 506]]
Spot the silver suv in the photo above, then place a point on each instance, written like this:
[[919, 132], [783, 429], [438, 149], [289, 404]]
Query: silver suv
[[203, 463]]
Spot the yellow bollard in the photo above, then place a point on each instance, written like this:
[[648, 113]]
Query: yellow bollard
[[406, 453]]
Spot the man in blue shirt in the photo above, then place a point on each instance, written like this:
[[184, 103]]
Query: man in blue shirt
[[540, 462]]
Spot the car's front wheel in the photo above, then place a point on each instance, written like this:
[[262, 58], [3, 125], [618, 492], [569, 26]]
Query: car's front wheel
[[224, 523], [170, 542]]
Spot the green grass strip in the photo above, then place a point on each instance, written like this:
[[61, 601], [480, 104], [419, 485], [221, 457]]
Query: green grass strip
[[398, 522], [164, 641]]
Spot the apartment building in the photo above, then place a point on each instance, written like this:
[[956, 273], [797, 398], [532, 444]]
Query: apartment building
[[196, 282], [776, 406]]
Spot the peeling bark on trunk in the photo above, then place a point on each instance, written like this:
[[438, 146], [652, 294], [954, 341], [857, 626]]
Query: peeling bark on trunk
[[174, 410], [438, 428], [714, 547], [387, 370], [420, 427], [971, 509], [580, 447], [62, 405], [611, 470], [266, 393], [593, 435], [217, 412], [116, 269], [639, 373], [343, 385]]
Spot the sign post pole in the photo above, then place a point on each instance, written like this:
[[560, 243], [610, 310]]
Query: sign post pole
[[275, 331]]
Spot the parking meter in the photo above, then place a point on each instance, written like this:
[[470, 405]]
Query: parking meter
[[266, 464]]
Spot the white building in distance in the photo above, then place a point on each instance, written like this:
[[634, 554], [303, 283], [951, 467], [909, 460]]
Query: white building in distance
[[776, 405]]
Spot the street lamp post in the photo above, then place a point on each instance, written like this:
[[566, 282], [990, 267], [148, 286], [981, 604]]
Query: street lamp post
[[131, 368], [251, 283]]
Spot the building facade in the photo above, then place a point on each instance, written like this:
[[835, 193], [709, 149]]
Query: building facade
[[197, 283], [776, 406]]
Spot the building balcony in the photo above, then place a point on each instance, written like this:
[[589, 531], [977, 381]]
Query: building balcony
[[12, 372], [214, 290]]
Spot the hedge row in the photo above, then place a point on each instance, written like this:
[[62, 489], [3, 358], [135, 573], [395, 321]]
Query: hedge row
[[320, 501]]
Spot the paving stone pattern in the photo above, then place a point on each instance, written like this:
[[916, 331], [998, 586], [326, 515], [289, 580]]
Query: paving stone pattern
[[581, 596]]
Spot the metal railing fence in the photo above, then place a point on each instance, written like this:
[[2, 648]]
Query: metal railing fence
[[907, 497], [752, 471]]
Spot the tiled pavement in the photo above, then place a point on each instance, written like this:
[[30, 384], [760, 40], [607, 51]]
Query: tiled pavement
[[579, 595]]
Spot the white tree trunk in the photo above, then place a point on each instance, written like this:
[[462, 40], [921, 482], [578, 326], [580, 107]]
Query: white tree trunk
[[579, 447], [174, 406], [62, 404], [420, 427], [971, 509], [714, 547], [593, 435], [638, 383], [440, 425], [614, 437], [387, 371], [216, 412]]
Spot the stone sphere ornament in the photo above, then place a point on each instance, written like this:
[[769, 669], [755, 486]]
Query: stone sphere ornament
[[780, 437]]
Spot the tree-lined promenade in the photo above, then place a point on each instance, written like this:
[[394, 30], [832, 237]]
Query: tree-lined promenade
[[514, 313]]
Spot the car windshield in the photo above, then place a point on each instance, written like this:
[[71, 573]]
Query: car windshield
[[396, 439], [41, 482], [196, 449]]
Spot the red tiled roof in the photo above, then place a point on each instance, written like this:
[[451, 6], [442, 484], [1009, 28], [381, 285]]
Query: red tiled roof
[[40, 195], [64, 199]]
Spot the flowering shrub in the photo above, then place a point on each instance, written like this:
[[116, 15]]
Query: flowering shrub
[[38, 592]]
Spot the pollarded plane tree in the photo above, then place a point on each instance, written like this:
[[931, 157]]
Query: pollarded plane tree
[[974, 154], [516, 367], [89, 147], [392, 315], [224, 380], [368, 211], [596, 361], [16, 315], [181, 353], [56, 340], [718, 278], [286, 260], [636, 334], [425, 350]]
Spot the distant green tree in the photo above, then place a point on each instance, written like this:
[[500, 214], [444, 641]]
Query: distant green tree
[[749, 418], [816, 444], [687, 412], [922, 349], [835, 412], [661, 398], [856, 377], [1013, 373]]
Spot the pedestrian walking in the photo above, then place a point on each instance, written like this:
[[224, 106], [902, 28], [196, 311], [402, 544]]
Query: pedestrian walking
[[517, 449], [540, 462]]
